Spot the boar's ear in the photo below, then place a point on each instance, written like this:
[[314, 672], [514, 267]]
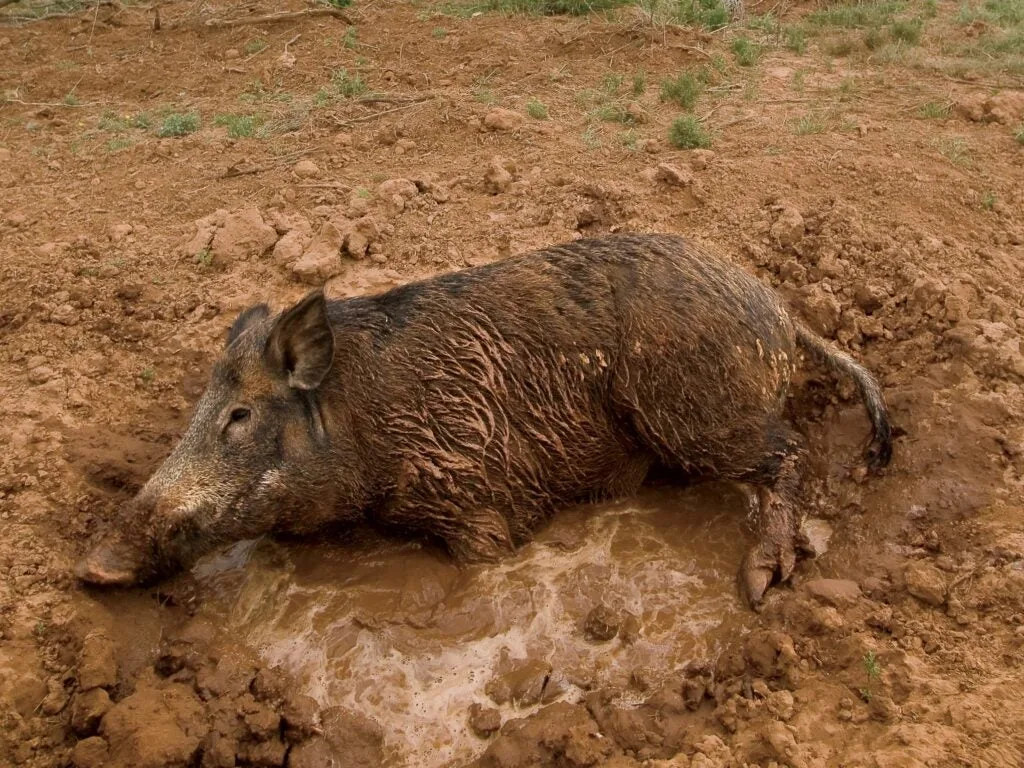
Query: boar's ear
[[245, 319], [301, 343]]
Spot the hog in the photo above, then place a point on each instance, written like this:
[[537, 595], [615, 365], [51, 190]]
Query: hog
[[468, 407]]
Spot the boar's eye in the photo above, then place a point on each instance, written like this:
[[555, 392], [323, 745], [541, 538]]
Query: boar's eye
[[238, 415]]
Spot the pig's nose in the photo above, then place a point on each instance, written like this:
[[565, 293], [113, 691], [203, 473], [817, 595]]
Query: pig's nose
[[108, 564]]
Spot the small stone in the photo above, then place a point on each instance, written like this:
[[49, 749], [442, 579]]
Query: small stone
[[484, 721], [835, 592], [40, 375], [701, 158], [601, 624], [925, 582], [97, 667], [498, 176], [232, 53], [90, 753], [119, 232], [88, 709], [16, 218], [499, 119], [306, 169], [788, 229], [673, 176], [65, 314]]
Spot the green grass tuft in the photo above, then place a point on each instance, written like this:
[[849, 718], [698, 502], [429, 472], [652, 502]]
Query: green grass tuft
[[239, 126], [684, 89], [686, 132], [933, 110], [177, 124], [536, 109], [746, 51]]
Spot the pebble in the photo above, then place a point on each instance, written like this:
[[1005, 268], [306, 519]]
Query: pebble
[[306, 169], [500, 119]]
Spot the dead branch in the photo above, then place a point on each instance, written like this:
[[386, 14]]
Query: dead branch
[[375, 115], [383, 98], [248, 169], [272, 18]]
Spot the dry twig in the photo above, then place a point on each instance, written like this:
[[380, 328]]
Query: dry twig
[[271, 18]]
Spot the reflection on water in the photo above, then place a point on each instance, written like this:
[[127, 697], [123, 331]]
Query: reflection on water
[[397, 632]]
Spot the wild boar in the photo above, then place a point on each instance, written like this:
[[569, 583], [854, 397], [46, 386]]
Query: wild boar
[[468, 407]]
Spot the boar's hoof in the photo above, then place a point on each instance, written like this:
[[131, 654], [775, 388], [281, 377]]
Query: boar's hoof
[[762, 564], [106, 566]]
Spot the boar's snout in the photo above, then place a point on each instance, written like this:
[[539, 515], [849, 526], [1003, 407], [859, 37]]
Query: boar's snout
[[113, 562]]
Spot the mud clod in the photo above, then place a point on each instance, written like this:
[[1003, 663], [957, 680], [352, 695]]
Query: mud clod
[[90, 753], [87, 709], [97, 665], [484, 720], [601, 624], [926, 583]]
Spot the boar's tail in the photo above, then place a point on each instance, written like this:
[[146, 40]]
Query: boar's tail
[[879, 450]]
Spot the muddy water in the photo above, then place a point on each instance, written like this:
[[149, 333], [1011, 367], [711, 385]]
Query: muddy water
[[396, 631]]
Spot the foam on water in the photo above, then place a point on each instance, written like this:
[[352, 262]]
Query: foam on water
[[400, 634]]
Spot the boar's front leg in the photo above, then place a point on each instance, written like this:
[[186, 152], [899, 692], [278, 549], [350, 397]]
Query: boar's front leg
[[440, 507]]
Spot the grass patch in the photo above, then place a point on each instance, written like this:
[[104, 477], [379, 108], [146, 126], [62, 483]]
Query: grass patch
[[795, 39], [239, 126], [204, 259], [857, 16], [484, 96], [808, 125], [988, 200], [686, 132], [630, 140], [1019, 134], [254, 46], [347, 85], [840, 46], [684, 89], [535, 7], [439, 33], [710, 14], [907, 30], [178, 124], [118, 144], [746, 51], [590, 138], [613, 113], [933, 110], [875, 38], [536, 109], [349, 38], [639, 83], [956, 150]]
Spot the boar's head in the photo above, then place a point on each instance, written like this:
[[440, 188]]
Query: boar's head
[[244, 458]]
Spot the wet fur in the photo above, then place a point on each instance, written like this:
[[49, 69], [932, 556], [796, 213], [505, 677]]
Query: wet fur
[[479, 402]]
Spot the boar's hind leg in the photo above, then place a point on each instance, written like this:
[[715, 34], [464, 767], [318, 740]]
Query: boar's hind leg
[[774, 473]]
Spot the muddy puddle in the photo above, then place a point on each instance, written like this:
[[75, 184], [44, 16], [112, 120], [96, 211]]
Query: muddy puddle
[[395, 631]]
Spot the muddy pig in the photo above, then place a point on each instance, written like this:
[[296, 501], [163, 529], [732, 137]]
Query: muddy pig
[[468, 407]]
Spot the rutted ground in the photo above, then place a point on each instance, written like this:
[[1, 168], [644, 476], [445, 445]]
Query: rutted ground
[[870, 167]]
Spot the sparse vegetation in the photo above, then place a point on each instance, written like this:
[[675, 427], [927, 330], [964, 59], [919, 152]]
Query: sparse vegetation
[[535, 7], [148, 374], [795, 39], [1019, 134], [933, 110], [988, 200], [536, 109], [872, 666], [956, 151], [204, 259], [255, 46], [347, 85], [809, 124], [746, 51], [907, 30], [856, 16], [439, 33], [349, 38], [684, 89], [178, 124], [118, 143], [710, 14], [639, 83], [686, 132], [239, 126]]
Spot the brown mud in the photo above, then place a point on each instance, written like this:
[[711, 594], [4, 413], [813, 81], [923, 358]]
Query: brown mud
[[617, 637]]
